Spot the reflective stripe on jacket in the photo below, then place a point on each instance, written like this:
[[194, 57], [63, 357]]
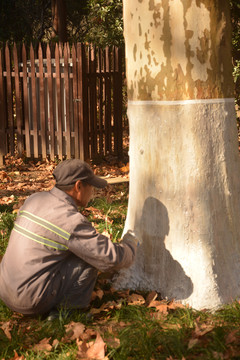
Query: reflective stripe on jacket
[[49, 229]]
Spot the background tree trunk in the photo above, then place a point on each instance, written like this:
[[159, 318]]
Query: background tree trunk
[[184, 200], [59, 20]]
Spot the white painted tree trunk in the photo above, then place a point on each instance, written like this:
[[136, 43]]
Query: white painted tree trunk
[[184, 200]]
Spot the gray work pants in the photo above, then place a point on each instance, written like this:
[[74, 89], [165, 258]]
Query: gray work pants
[[71, 286]]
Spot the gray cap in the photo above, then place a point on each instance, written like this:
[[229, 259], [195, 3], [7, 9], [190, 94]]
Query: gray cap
[[69, 171]]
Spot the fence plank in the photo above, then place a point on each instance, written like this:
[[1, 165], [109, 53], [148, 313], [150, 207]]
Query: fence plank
[[100, 101], [42, 104], [3, 118], [59, 102], [83, 100], [107, 100], [18, 101], [93, 100], [51, 112], [34, 104], [9, 98], [26, 102], [44, 108], [66, 85], [75, 103], [117, 101]]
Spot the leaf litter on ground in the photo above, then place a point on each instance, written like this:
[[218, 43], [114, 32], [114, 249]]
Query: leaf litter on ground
[[124, 322]]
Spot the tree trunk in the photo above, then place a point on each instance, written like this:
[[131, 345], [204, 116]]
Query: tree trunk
[[184, 200], [59, 20]]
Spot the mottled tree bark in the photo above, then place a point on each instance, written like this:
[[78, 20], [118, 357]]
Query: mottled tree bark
[[184, 200], [59, 20]]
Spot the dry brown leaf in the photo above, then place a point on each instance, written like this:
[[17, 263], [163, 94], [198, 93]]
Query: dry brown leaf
[[99, 293], [88, 334], [43, 345], [151, 297], [105, 307], [232, 336], [123, 294], [92, 350], [161, 307], [82, 348], [7, 327], [135, 299], [174, 305], [74, 330], [192, 343], [95, 311], [97, 350], [17, 357], [202, 329], [55, 342], [4, 177], [168, 326], [113, 342]]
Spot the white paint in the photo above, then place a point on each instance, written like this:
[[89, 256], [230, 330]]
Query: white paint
[[180, 102], [184, 200]]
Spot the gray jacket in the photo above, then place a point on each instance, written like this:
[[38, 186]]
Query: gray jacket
[[49, 229]]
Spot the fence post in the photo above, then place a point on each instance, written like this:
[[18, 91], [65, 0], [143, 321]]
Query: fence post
[[26, 102], [58, 50], [117, 101], [42, 103], [18, 102], [34, 104], [3, 120], [9, 98], [75, 103], [107, 100], [51, 112], [66, 86], [83, 103], [100, 101]]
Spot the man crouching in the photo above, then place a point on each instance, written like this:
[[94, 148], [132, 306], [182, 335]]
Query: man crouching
[[54, 253]]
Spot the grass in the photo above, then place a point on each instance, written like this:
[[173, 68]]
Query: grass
[[142, 332], [6, 224]]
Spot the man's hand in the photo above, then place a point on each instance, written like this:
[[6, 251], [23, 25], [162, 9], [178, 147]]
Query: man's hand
[[130, 237]]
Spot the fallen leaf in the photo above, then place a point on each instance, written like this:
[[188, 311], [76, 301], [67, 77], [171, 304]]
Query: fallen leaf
[[232, 336], [159, 306], [217, 355], [113, 342], [55, 343], [17, 357], [74, 330], [7, 327], [88, 334], [151, 297], [99, 293], [97, 350], [43, 345], [202, 329], [92, 350], [174, 306], [135, 299], [192, 343]]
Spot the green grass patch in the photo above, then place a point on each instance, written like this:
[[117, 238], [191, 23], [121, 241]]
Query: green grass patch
[[6, 225], [142, 333]]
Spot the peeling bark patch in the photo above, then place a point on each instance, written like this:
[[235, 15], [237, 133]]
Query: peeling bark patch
[[135, 52], [139, 29], [176, 40]]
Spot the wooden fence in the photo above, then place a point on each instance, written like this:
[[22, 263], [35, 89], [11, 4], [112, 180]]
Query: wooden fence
[[60, 102]]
